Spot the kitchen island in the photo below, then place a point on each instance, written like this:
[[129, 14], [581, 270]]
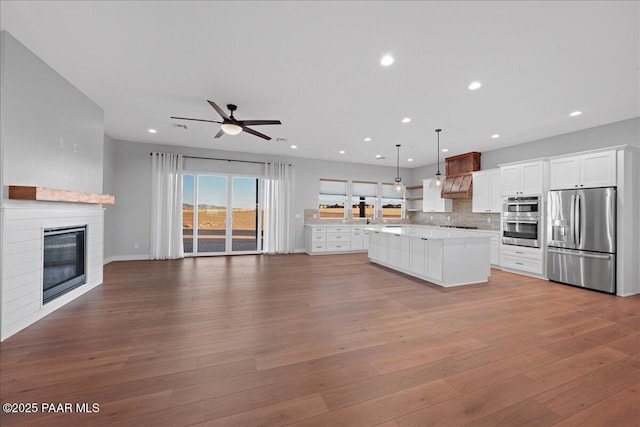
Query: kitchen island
[[443, 257]]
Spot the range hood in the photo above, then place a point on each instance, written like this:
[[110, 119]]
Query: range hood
[[459, 184]]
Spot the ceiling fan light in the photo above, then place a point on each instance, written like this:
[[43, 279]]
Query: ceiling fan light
[[230, 128]]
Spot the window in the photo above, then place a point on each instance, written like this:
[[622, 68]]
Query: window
[[332, 197], [364, 199], [392, 202]]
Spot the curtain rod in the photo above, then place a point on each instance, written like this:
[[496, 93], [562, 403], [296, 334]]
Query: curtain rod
[[225, 160]]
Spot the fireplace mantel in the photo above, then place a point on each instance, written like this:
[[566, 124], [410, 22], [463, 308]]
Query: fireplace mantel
[[19, 192]]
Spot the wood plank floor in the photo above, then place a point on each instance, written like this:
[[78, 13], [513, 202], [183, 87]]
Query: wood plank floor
[[325, 341]]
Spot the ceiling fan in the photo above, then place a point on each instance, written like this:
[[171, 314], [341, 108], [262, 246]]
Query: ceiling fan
[[232, 126]]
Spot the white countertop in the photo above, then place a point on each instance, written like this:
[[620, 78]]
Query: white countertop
[[429, 232]]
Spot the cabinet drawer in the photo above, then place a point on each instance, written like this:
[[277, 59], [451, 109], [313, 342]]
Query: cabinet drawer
[[338, 246], [318, 247], [316, 230], [338, 237], [337, 229], [520, 263], [318, 237], [521, 252]]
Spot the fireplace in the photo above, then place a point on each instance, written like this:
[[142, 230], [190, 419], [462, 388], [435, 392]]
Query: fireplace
[[64, 261]]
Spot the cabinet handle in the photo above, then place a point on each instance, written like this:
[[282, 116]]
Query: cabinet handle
[[521, 253], [519, 263]]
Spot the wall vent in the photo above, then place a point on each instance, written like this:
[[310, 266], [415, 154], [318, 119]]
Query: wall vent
[[180, 126]]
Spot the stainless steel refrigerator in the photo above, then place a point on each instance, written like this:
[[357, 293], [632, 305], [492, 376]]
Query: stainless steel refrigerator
[[582, 238]]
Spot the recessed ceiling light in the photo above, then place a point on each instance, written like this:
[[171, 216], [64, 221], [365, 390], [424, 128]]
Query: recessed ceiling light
[[495, 135], [444, 150], [409, 160], [378, 156], [406, 120], [386, 60], [153, 131], [294, 146], [575, 113], [367, 139], [475, 85], [341, 151]]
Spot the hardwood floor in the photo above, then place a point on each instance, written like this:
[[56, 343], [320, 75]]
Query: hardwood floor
[[325, 341]]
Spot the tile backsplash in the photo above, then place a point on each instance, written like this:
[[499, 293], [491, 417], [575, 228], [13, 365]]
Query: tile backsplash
[[461, 216]]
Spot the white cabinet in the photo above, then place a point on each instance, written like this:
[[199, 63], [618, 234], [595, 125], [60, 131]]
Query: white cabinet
[[432, 200], [527, 260], [522, 179], [359, 239], [334, 239], [494, 247], [486, 192], [393, 248], [584, 171], [405, 252], [434, 259], [418, 255]]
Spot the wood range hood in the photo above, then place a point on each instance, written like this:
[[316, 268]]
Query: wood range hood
[[459, 183]]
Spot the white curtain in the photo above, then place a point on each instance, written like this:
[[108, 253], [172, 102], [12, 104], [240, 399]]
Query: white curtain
[[166, 206], [279, 230]]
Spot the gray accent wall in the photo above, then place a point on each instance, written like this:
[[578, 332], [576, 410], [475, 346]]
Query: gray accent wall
[[52, 134], [108, 187]]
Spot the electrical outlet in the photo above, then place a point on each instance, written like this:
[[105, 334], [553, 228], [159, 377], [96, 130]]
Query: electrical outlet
[[136, 246], [315, 216], [61, 140], [431, 218], [448, 217], [489, 220]]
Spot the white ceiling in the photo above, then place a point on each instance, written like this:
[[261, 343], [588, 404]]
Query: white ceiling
[[315, 66]]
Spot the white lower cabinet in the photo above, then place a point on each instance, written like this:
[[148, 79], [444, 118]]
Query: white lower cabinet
[[328, 239], [418, 260], [529, 260], [434, 259], [449, 261]]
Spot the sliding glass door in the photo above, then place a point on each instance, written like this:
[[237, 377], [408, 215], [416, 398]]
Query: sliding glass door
[[221, 214]]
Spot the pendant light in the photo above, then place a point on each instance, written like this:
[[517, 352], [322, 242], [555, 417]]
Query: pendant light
[[399, 185], [438, 175]]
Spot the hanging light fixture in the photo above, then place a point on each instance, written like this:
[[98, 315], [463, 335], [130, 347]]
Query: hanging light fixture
[[438, 182], [399, 185], [438, 175]]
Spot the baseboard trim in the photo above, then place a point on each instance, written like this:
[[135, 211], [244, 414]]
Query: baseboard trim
[[143, 257]]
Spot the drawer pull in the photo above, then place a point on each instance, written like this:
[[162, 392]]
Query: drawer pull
[[519, 263]]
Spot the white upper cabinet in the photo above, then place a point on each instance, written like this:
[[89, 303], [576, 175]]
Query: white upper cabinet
[[486, 191], [583, 171], [522, 179], [432, 200]]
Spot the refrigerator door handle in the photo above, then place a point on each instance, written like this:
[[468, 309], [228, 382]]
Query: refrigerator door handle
[[579, 219], [586, 255], [573, 219]]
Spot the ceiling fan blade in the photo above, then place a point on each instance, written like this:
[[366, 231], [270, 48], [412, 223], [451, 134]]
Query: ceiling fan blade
[[195, 120], [256, 133], [219, 134], [219, 110], [259, 122]]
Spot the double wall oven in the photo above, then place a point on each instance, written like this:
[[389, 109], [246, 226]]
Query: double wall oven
[[521, 221]]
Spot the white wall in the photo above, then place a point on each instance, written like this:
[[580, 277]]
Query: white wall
[[38, 108], [132, 187], [618, 133], [108, 186]]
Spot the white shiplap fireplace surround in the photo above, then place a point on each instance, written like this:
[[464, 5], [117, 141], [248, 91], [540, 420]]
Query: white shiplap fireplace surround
[[22, 252]]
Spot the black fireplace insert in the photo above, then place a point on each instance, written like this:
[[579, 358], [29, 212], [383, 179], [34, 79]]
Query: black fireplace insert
[[64, 261]]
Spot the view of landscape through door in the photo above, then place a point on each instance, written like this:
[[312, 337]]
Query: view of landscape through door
[[221, 214]]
